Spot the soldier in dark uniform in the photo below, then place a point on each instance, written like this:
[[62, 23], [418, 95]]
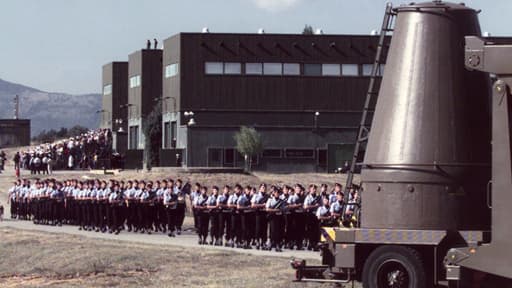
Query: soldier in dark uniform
[[213, 211], [193, 195], [244, 207], [202, 213], [181, 207], [258, 203], [224, 214], [299, 216], [170, 201], [274, 208], [235, 216], [311, 204]]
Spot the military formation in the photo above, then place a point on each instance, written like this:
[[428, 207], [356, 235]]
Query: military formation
[[262, 217]]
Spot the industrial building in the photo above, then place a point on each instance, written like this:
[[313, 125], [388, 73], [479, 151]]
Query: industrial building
[[114, 114], [144, 90], [14, 132], [303, 93]]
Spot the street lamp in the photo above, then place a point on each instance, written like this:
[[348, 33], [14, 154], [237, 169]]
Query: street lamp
[[191, 122], [316, 119], [119, 123]]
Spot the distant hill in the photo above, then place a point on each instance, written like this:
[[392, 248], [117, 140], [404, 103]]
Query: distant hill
[[49, 110]]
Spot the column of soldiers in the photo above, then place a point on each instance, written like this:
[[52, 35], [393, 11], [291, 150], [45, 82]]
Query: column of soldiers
[[242, 217], [245, 217]]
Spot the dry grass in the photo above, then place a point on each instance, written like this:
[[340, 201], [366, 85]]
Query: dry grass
[[39, 259]]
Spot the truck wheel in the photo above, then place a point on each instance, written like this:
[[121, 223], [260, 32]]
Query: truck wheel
[[394, 267]]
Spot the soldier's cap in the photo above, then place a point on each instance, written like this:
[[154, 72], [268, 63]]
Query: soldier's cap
[[216, 188]]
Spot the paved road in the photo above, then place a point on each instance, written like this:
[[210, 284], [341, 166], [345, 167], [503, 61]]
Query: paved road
[[187, 240]]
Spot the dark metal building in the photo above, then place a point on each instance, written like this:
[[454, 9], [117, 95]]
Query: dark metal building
[[114, 113], [144, 87], [14, 132], [303, 93]]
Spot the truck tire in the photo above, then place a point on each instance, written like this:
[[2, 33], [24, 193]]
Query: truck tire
[[394, 267]]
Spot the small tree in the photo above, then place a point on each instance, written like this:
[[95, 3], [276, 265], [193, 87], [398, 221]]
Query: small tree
[[308, 30], [152, 130], [248, 143]]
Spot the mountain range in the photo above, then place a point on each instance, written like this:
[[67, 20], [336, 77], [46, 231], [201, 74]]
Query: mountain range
[[49, 110]]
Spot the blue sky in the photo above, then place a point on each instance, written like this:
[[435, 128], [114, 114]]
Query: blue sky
[[60, 45]]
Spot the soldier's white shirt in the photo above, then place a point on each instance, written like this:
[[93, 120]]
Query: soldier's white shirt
[[12, 192], [322, 211], [233, 199], [138, 192], [293, 199], [130, 192]]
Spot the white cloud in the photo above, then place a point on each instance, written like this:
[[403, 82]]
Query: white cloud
[[275, 5]]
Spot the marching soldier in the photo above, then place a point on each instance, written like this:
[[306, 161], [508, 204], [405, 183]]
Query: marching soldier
[[243, 207], [200, 206], [181, 206], [311, 204], [258, 203], [170, 201], [274, 208], [224, 214], [193, 195], [212, 208], [235, 217], [337, 209], [323, 213]]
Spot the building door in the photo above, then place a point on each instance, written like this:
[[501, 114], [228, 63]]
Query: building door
[[167, 135], [229, 157], [134, 137], [174, 132]]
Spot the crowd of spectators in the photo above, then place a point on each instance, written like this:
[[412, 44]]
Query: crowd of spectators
[[90, 150]]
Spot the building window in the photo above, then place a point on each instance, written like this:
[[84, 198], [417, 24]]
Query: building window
[[331, 70], [229, 157], [171, 70], [291, 69], [313, 69], [135, 81], [254, 68], [272, 153], [367, 69], [232, 68], [167, 135], [215, 157], [350, 69], [134, 138], [107, 90], [300, 153], [272, 68], [214, 68], [381, 69]]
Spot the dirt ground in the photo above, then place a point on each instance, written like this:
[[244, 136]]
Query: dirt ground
[[40, 259]]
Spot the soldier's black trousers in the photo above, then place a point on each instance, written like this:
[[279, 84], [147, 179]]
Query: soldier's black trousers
[[225, 224], [204, 219], [261, 227], [276, 229], [313, 229], [171, 218], [180, 215], [214, 225]]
